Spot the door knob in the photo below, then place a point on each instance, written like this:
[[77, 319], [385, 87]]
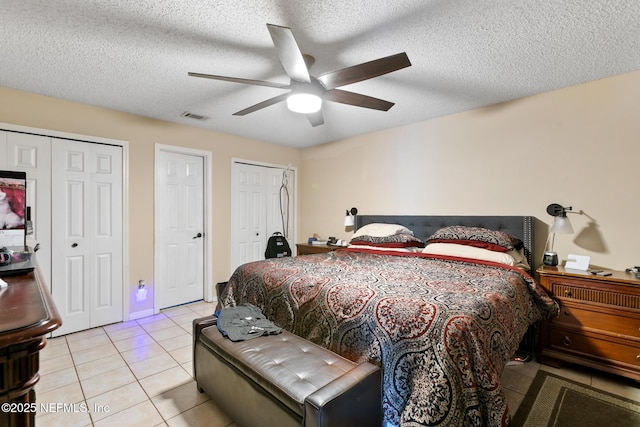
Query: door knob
[[74, 245], [197, 236]]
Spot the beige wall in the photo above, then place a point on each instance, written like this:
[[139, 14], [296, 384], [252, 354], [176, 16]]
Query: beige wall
[[26, 109], [577, 146]]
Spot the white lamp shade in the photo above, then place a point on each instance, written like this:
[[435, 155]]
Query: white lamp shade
[[348, 221], [304, 103], [562, 225]]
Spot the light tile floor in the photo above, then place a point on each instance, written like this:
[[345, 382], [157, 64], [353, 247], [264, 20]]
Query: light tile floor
[[139, 373]]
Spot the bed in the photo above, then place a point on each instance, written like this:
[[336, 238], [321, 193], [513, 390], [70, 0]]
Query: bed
[[442, 327]]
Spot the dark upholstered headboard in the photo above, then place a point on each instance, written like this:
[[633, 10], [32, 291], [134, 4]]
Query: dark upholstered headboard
[[425, 226]]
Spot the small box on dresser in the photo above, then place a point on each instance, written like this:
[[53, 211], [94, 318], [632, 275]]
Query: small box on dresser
[[599, 321]]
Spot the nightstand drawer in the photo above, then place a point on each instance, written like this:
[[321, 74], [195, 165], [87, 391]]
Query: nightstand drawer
[[595, 348], [615, 324], [582, 290]]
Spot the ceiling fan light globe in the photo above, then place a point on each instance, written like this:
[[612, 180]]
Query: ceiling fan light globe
[[304, 103]]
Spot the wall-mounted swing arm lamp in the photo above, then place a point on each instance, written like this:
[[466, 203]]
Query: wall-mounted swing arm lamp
[[561, 225], [349, 217]]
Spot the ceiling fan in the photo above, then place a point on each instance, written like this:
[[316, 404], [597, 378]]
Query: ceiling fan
[[307, 92]]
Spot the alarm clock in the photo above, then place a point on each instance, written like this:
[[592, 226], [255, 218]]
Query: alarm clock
[[550, 258]]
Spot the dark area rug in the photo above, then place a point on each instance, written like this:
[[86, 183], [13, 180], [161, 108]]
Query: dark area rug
[[559, 402]]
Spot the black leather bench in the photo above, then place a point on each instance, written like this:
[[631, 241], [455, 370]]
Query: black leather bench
[[284, 380]]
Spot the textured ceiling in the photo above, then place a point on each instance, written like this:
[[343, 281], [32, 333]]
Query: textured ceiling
[[133, 56]]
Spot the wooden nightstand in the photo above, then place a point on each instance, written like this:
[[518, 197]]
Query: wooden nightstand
[[306, 249], [599, 321]]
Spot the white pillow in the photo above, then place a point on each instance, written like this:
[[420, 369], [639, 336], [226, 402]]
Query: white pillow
[[521, 259], [378, 229], [466, 251], [382, 248]]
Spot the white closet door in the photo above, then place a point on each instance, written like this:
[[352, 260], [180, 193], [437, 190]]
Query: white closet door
[[87, 228], [256, 210], [279, 202], [248, 218], [32, 154]]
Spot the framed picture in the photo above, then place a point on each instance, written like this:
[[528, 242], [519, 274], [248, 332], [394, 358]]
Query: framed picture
[[13, 221]]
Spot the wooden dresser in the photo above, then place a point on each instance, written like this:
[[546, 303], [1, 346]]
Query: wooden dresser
[[27, 314], [599, 321]]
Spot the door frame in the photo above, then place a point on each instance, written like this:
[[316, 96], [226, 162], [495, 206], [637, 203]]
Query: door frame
[[125, 192], [294, 220], [208, 217]]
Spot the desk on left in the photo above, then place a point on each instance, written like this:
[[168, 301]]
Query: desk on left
[[27, 315]]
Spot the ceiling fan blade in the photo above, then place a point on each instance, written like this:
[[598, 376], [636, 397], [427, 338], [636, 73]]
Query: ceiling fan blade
[[316, 119], [289, 53], [261, 105], [364, 71], [238, 80], [356, 99]]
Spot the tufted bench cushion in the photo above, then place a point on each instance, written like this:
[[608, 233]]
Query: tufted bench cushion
[[284, 380]]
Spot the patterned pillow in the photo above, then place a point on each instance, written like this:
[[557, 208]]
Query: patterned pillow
[[476, 236], [395, 241]]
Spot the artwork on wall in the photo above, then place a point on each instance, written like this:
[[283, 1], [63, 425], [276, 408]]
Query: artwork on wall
[[13, 193]]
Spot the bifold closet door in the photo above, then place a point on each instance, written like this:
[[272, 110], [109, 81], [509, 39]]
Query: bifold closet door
[[248, 218], [32, 154], [87, 230], [257, 197]]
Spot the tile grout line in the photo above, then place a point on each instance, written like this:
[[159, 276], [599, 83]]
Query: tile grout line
[[138, 379], [128, 365]]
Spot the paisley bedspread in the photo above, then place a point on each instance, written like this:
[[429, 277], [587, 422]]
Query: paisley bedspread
[[442, 328]]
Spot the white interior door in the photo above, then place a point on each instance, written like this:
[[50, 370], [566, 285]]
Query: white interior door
[[87, 221], [259, 205], [180, 204]]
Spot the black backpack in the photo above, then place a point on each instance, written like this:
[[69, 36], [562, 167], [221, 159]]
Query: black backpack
[[277, 246]]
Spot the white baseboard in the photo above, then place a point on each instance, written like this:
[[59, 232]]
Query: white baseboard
[[140, 314]]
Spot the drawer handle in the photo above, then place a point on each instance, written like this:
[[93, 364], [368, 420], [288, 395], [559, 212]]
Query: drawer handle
[[567, 342], [567, 293], [638, 358]]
